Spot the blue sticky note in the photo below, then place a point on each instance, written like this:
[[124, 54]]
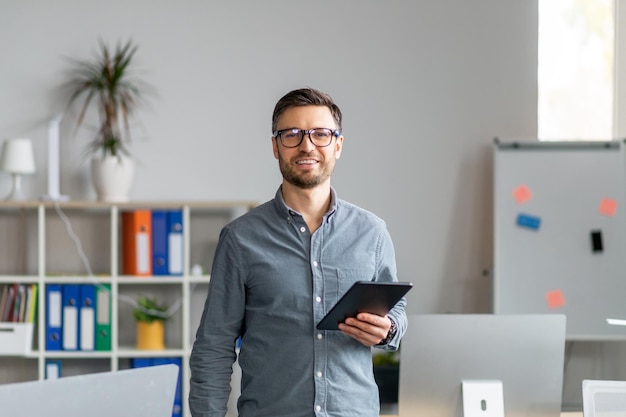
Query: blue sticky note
[[526, 220]]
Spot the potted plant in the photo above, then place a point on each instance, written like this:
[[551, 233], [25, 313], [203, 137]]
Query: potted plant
[[150, 316], [106, 81]]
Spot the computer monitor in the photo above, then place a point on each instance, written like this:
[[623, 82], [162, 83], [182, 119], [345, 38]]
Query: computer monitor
[[524, 352], [138, 392], [604, 398]]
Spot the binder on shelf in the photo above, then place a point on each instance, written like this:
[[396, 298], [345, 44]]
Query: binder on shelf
[[167, 242], [6, 304], [70, 326], [10, 306], [3, 300], [177, 407], [31, 305], [140, 362], [53, 369], [136, 243], [20, 309], [159, 242], [87, 332], [103, 317], [54, 316], [175, 242], [16, 328]]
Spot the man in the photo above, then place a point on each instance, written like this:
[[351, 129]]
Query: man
[[278, 270]]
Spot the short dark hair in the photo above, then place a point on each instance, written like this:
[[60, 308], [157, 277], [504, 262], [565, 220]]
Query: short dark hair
[[305, 97]]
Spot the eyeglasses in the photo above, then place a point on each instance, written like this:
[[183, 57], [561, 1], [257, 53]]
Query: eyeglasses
[[320, 137]]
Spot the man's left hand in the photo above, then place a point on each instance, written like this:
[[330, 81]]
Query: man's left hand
[[368, 329]]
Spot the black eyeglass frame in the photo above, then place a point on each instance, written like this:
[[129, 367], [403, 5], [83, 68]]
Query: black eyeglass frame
[[335, 133]]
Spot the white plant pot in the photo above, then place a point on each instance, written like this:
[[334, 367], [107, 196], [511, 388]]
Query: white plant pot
[[112, 178]]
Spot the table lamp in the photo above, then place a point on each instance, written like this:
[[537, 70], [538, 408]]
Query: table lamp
[[17, 159]]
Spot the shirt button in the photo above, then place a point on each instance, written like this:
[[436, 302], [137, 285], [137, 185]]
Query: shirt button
[[303, 229], [318, 374], [318, 299], [319, 335], [318, 408], [314, 263]]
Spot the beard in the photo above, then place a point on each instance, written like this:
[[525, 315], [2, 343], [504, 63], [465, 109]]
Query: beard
[[306, 180]]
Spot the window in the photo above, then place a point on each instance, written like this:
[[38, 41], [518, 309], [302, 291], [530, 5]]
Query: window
[[576, 81]]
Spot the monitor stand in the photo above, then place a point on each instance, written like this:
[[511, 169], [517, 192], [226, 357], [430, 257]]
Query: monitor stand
[[483, 398]]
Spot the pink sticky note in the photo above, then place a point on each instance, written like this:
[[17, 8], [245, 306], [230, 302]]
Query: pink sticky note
[[522, 194], [555, 299], [608, 206]]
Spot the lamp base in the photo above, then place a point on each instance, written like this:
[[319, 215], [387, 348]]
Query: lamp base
[[16, 190]]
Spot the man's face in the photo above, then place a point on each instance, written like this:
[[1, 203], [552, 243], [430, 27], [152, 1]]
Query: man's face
[[306, 165]]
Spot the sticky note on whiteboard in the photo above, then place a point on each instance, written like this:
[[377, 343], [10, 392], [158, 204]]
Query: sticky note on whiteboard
[[555, 299], [522, 194], [528, 221], [608, 206]]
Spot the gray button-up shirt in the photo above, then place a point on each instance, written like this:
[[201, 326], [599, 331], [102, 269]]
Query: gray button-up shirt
[[272, 281]]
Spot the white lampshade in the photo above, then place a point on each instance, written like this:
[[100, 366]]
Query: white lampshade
[[17, 156], [17, 159]]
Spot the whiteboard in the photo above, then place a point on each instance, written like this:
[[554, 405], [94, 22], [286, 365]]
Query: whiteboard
[[551, 200]]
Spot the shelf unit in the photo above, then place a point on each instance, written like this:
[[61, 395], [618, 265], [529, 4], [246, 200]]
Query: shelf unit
[[36, 246]]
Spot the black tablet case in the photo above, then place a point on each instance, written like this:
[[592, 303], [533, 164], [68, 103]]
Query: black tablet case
[[365, 296]]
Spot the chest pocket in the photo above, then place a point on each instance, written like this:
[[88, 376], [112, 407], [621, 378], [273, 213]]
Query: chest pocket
[[340, 280]]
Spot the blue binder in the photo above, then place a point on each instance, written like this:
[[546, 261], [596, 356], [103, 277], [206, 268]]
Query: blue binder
[[140, 362], [87, 317], [54, 316], [53, 369], [175, 242], [71, 321], [177, 409], [159, 242]]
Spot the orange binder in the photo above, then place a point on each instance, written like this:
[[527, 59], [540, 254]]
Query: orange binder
[[137, 243]]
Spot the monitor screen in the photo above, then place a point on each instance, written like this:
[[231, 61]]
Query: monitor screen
[[524, 352]]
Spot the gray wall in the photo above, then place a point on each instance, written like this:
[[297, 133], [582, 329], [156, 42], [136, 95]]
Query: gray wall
[[424, 87]]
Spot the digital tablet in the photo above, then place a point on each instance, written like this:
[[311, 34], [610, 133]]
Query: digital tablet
[[365, 297]]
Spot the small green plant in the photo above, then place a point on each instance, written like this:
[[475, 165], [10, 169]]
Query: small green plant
[[149, 310], [388, 358]]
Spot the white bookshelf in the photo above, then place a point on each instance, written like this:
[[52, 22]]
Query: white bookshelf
[[36, 248]]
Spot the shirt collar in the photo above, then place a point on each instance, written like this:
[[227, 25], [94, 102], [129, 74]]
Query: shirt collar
[[285, 210]]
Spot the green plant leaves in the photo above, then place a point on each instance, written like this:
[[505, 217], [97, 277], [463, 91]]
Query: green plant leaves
[[106, 81], [149, 310]]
